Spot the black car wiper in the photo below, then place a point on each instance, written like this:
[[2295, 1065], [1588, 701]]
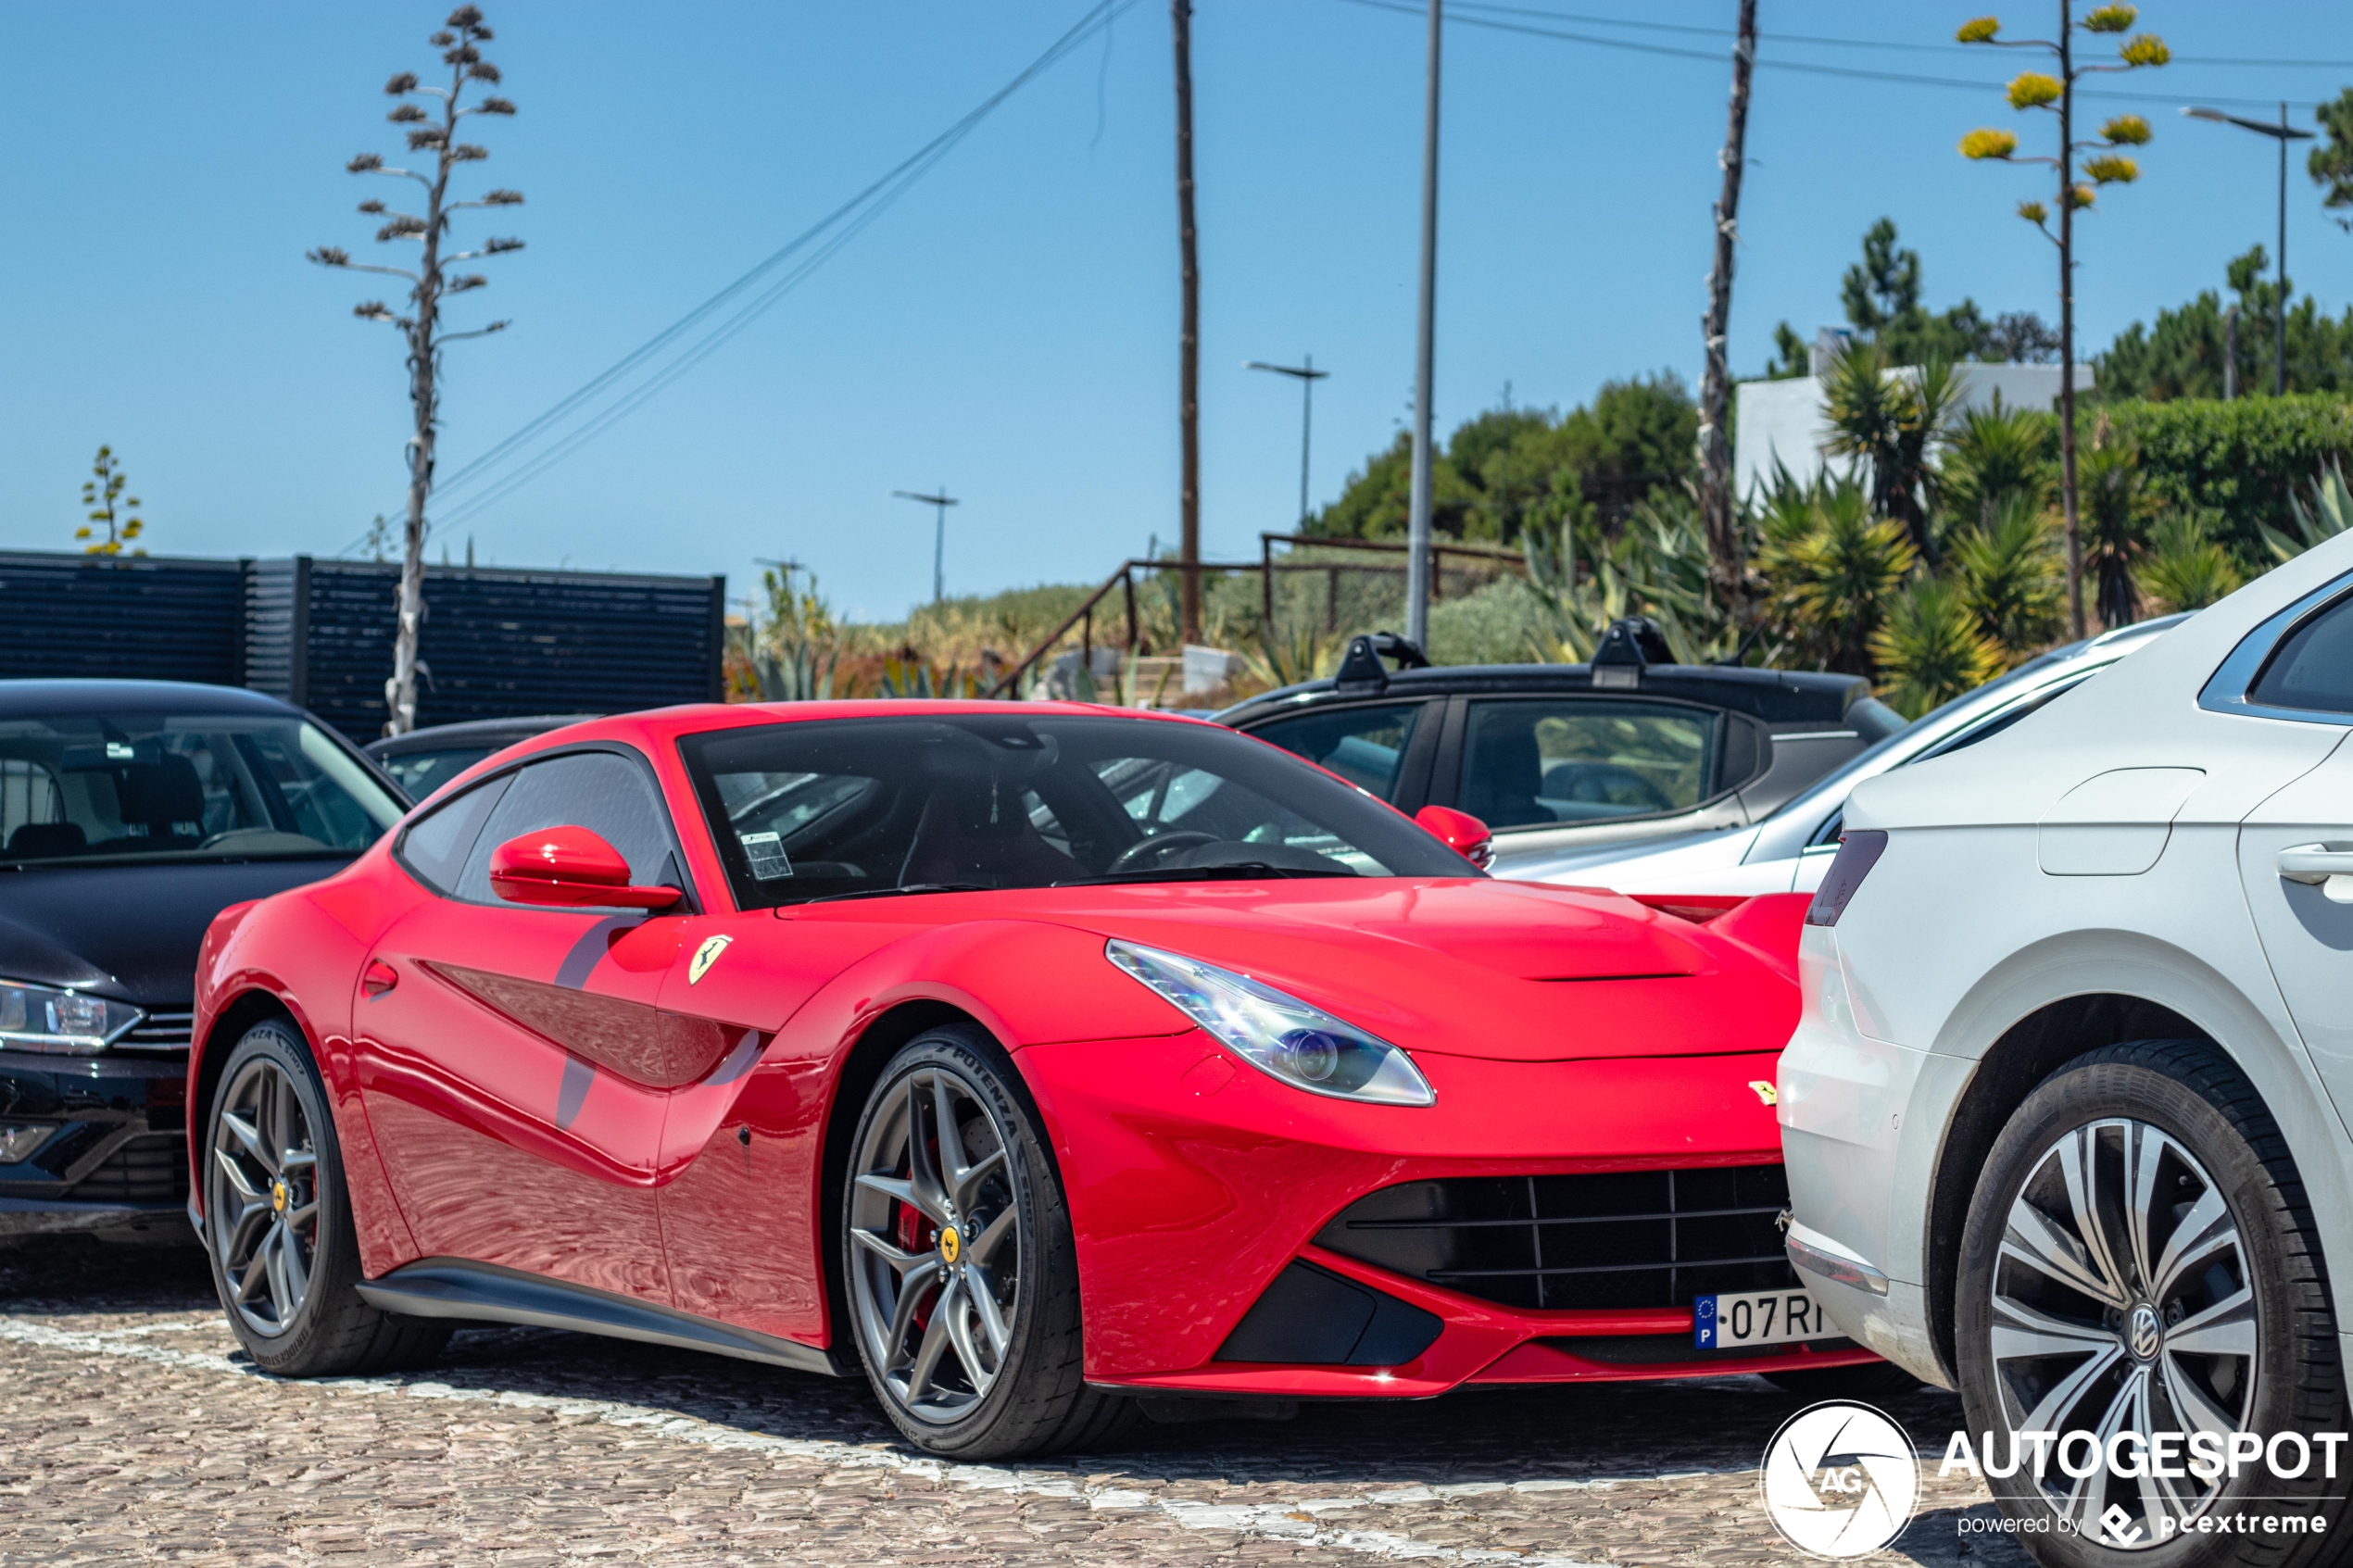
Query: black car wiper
[[1232, 871], [910, 887]]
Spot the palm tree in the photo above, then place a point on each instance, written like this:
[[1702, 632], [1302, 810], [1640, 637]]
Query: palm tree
[[1831, 582], [2011, 578], [2115, 512], [1930, 650], [1994, 453], [1892, 423]]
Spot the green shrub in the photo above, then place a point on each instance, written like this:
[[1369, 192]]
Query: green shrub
[[2243, 462]]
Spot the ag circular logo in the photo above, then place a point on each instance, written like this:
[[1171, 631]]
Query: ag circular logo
[[1840, 1480]]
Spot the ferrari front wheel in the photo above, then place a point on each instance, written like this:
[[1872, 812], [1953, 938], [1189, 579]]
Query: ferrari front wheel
[[957, 1250], [278, 1222]]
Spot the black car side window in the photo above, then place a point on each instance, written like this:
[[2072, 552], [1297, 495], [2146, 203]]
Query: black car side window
[[1540, 762], [600, 791], [436, 845], [1361, 745], [2313, 668]]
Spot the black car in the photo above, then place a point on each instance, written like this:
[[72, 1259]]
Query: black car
[[1553, 757], [131, 813], [423, 760]]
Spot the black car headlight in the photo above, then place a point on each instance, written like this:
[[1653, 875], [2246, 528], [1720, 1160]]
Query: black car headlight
[[69, 1023], [1276, 1032]]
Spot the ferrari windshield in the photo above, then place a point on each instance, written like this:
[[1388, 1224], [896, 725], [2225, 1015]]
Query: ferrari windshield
[[825, 809], [190, 787]]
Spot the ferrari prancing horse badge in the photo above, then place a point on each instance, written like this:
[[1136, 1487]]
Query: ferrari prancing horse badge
[[705, 955]]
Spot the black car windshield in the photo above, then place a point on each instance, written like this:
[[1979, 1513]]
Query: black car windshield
[[823, 808], [190, 787], [423, 773]]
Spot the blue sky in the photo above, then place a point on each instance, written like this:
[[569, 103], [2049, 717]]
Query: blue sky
[[1009, 328]]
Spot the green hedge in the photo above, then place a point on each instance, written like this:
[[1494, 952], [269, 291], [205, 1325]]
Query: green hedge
[[2243, 460]]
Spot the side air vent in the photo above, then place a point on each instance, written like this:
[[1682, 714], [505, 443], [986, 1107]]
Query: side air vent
[[1312, 1317]]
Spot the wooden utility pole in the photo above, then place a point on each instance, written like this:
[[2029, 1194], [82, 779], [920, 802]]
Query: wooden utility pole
[[1719, 509], [1188, 341]]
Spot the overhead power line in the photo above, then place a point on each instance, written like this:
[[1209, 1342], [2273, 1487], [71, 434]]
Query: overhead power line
[[1904, 47], [626, 385], [1810, 68]]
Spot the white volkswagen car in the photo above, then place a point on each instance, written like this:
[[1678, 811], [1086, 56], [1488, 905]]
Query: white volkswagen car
[[1789, 849], [2065, 1118]]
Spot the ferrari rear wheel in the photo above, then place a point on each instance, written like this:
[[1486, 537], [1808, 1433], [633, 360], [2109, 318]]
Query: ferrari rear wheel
[[962, 1276], [278, 1222]]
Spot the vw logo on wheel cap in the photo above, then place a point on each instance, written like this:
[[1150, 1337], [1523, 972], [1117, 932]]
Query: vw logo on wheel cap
[[2146, 1334]]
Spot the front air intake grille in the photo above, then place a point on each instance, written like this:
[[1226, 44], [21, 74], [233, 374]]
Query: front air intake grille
[[151, 1168], [1623, 1239], [164, 1029]]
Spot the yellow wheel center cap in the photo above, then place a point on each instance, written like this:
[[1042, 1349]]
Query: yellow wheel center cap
[[278, 1196], [950, 1245]]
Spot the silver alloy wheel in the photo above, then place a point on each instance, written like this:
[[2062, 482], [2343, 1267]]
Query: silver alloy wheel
[[262, 1200], [2122, 1303], [934, 1245]]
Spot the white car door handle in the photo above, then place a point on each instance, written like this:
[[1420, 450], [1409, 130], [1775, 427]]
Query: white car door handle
[[2315, 863]]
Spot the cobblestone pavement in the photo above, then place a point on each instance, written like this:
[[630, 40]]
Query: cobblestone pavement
[[131, 1432]]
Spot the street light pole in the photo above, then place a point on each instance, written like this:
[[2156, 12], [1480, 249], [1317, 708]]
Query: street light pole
[[1417, 518], [939, 503], [2283, 136], [1307, 375]]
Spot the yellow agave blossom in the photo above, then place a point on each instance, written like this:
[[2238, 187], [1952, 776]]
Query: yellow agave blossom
[[2082, 195], [1985, 144], [1980, 31], [2149, 49], [2032, 90], [2126, 130], [2111, 19], [2110, 170], [2033, 212]]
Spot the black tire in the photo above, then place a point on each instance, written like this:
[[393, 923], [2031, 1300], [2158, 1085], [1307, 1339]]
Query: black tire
[[1872, 1380], [1034, 1399], [323, 1329], [2219, 1186]]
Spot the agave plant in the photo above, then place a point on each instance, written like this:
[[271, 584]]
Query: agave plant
[[1292, 651], [2011, 578], [2186, 567], [2330, 514], [1891, 424], [908, 674], [1657, 565], [1930, 648]]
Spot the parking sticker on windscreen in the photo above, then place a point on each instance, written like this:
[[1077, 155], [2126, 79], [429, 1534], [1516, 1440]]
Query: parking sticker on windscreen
[[1757, 1317]]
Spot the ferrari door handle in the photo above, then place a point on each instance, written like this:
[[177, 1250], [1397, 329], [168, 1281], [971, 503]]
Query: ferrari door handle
[[377, 978], [2315, 863]]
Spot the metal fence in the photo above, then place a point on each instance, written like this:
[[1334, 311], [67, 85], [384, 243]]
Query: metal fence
[[497, 643]]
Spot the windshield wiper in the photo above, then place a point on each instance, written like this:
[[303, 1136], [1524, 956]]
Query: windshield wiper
[[1233, 871], [887, 892]]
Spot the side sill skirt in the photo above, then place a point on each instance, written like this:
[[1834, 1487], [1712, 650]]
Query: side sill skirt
[[455, 1288]]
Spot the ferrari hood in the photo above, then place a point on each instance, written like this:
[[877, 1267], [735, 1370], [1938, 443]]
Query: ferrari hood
[[1507, 971]]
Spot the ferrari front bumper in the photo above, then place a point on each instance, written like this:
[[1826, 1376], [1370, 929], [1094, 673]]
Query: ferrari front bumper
[[1195, 1181]]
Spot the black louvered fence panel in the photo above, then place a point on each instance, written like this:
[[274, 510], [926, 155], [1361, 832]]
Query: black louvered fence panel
[[136, 617], [498, 643]]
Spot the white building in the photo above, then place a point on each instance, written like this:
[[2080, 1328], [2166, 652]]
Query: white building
[[1783, 420]]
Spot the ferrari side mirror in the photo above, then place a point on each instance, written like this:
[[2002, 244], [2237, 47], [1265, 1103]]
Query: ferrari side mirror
[[568, 868], [1460, 832]]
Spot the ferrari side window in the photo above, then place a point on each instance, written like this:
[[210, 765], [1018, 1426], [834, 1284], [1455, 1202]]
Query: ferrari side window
[[436, 845], [2313, 669], [597, 790], [813, 810]]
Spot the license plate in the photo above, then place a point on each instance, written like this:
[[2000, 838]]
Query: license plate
[[1758, 1317]]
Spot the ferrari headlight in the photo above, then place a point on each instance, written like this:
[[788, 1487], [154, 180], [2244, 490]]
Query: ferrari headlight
[[1281, 1035], [43, 1018]]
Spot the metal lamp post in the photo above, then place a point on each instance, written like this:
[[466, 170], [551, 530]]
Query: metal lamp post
[[2283, 135], [1417, 514], [1307, 375], [939, 503]]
